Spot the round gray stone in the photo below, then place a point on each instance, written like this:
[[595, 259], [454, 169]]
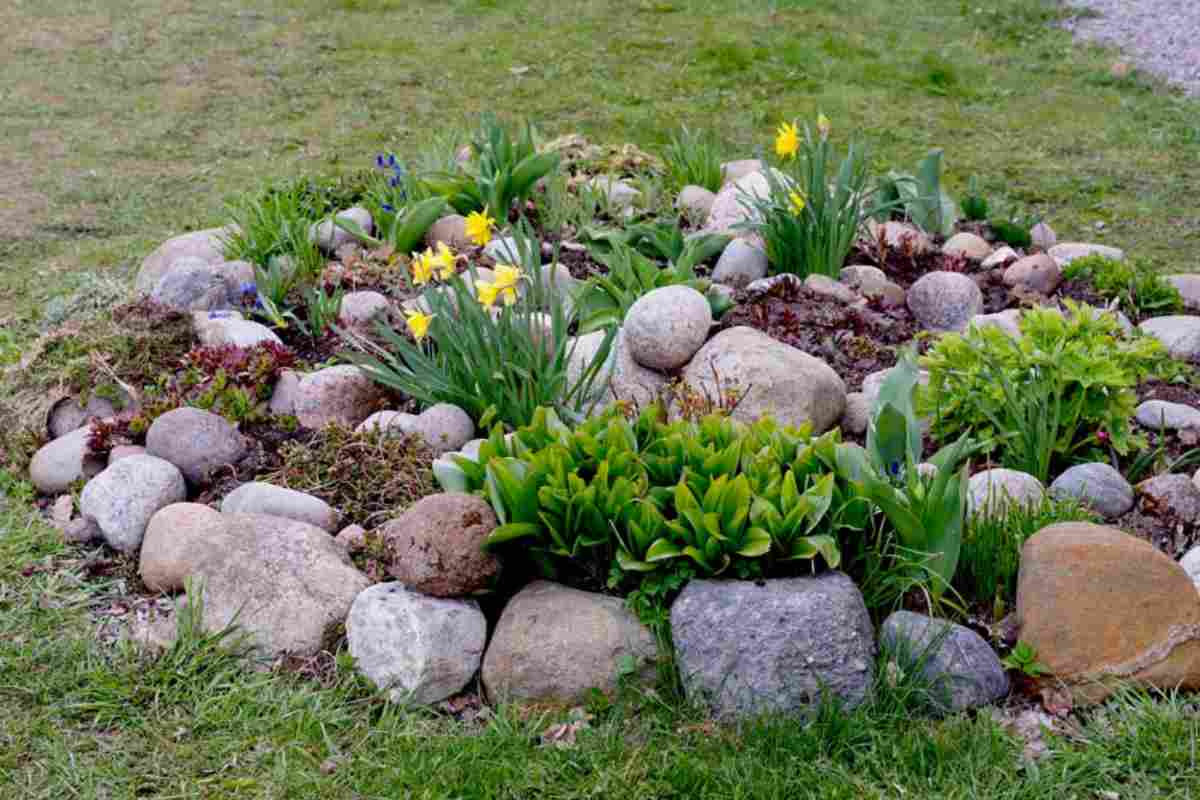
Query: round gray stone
[[960, 669], [1098, 486], [55, 466], [665, 327], [196, 441], [1179, 333], [329, 237], [991, 491], [444, 427], [945, 301]]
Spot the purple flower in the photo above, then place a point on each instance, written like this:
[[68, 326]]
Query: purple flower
[[380, 161], [388, 208], [249, 287]]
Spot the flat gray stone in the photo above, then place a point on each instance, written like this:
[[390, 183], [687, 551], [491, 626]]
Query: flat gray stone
[[1156, 414], [277, 501], [1179, 333]]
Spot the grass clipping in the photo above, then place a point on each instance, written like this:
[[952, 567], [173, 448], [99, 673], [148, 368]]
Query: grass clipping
[[369, 476]]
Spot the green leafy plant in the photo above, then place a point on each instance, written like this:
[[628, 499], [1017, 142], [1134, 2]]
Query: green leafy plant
[[926, 511], [504, 172], [1061, 392], [605, 299], [991, 549], [634, 498], [813, 211], [506, 360], [1142, 291], [1024, 659], [322, 309], [975, 206], [265, 226], [920, 196], [1014, 233], [693, 159]]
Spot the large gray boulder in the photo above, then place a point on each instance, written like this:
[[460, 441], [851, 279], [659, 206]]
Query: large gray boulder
[[1097, 486], [277, 501], [772, 378], [959, 668], [1156, 414], [123, 498], [196, 441], [557, 644], [58, 464], [192, 286], [419, 649], [746, 648], [665, 327], [204, 246], [287, 586]]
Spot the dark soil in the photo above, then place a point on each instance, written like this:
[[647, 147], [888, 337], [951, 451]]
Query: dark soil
[[854, 340], [1169, 535]]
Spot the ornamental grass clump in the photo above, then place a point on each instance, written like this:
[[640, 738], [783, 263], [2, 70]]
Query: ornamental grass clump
[[1063, 392], [815, 207], [498, 348]]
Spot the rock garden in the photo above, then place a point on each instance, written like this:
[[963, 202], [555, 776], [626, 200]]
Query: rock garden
[[563, 419]]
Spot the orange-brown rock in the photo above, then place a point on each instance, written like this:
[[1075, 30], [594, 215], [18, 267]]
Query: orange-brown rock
[[1103, 607]]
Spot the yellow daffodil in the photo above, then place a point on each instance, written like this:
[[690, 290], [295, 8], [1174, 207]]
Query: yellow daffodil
[[507, 276], [480, 227], [487, 292], [418, 324], [444, 261], [824, 126], [422, 267], [797, 202], [787, 140]]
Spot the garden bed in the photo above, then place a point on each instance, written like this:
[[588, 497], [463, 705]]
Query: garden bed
[[680, 414]]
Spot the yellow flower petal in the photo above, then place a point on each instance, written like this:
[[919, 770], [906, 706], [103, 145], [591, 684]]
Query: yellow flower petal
[[787, 140], [445, 261], [418, 324], [507, 276], [479, 227], [487, 293], [422, 267], [797, 202]]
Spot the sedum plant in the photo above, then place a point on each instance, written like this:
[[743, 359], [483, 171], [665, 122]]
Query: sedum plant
[[504, 172], [1141, 290], [926, 511], [641, 498], [815, 207], [1064, 391], [496, 349]]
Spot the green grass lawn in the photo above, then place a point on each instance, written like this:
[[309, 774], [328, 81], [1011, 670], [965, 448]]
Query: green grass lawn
[[123, 122]]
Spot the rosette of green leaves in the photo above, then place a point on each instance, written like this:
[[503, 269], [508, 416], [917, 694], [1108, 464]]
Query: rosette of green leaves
[[791, 518], [713, 529]]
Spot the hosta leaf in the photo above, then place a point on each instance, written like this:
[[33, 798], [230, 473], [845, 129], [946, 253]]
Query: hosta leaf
[[662, 550], [513, 531]]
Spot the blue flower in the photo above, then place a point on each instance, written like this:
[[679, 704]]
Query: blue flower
[[258, 303], [380, 161], [388, 208], [249, 287], [394, 181], [391, 160], [894, 469], [218, 314]]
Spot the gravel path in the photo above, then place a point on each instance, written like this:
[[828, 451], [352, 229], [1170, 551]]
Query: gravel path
[[1159, 36]]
